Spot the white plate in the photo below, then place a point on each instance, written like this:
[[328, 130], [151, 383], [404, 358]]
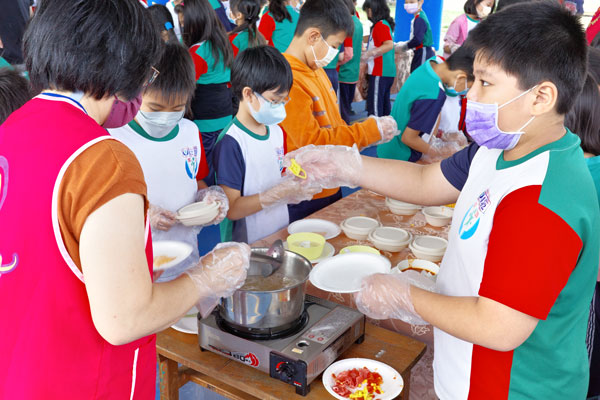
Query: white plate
[[328, 229], [188, 324], [197, 209], [345, 272], [392, 381], [328, 251], [170, 248]]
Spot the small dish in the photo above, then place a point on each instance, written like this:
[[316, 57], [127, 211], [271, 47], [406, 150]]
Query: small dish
[[169, 253], [357, 248], [307, 244], [401, 207], [315, 225], [430, 244], [388, 238], [358, 228], [423, 266], [199, 213], [438, 216], [328, 251]]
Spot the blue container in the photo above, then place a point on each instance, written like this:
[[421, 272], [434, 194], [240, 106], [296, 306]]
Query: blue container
[[433, 9]]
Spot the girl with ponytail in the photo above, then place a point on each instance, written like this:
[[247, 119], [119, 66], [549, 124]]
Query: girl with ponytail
[[278, 25], [245, 13]]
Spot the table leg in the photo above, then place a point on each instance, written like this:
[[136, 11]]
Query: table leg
[[406, 391], [169, 378]]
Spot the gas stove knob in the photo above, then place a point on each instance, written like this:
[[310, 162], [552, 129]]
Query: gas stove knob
[[287, 370]]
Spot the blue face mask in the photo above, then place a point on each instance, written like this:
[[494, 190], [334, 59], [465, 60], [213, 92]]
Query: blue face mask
[[268, 113], [451, 90]]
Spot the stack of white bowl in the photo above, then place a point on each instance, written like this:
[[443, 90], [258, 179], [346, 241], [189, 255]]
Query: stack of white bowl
[[438, 216], [388, 238], [358, 228], [430, 248], [400, 207], [199, 213]]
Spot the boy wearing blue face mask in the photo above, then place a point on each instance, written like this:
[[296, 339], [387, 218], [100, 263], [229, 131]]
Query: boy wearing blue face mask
[[249, 153], [420, 101], [169, 149], [421, 36], [512, 299]]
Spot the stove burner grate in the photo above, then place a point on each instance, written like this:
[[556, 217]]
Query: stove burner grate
[[264, 334]]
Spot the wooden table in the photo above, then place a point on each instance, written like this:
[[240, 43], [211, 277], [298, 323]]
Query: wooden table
[[237, 381]]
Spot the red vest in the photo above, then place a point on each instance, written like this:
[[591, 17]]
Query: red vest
[[49, 347]]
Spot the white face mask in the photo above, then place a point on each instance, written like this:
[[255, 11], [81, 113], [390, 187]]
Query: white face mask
[[331, 54], [411, 8], [158, 124], [485, 11], [268, 113]]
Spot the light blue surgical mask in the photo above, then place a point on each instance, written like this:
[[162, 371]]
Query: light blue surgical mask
[[452, 92], [269, 113], [158, 124]]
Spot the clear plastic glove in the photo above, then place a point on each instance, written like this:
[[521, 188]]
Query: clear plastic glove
[[219, 273], [440, 149], [370, 54], [214, 194], [388, 128], [291, 190], [384, 296], [328, 166], [400, 47], [457, 137], [160, 218]]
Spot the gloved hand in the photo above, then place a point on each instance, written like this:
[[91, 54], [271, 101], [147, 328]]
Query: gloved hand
[[388, 128], [458, 138], [384, 296], [160, 218], [400, 47], [213, 194], [219, 273], [328, 166], [370, 54], [440, 149], [291, 190]]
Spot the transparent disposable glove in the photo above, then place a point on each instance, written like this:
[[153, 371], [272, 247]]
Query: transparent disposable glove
[[388, 128], [160, 218], [370, 54], [328, 166], [219, 273], [214, 194], [400, 47], [291, 190], [440, 149], [384, 296]]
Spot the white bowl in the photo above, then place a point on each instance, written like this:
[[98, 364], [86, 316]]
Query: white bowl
[[423, 266], [358, 228], [424, 255], [174, 251], [438, 216], [430, 244], [401, 208], [198, 213], [392, 239]]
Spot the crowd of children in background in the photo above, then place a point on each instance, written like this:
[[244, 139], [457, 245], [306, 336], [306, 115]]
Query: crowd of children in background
[[242, 83]]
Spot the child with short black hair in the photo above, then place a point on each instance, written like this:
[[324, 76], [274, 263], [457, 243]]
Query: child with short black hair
[[170, 152], [163, 21], [245, 34], [249, 153], [313, 115], [420, 100], [379, 57], [14, 92], [349, 71], [512, 299], [421, 36]]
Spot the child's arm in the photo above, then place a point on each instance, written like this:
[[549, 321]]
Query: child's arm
[[451, 36], [202, 184], [241, 206], [419, 30], [266, 28], [411, 138], [200, 65]]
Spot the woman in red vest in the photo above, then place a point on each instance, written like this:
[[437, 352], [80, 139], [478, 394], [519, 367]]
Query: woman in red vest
[[79, 308]]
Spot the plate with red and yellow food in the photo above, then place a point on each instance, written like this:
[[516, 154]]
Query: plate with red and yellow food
[[362, 379]]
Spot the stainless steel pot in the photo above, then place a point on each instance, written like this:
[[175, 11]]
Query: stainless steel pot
[[258, 311]]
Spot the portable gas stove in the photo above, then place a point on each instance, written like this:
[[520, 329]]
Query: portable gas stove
[[294, 354]]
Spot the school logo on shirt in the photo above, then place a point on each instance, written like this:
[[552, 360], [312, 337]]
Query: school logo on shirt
[[279, 153], [190, 154], [470, 222]]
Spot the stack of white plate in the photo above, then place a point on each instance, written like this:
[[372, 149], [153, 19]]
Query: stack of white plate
[[358, 228], [438, 216], [400, 207], [388, 238], [199, 213], [430, 248]]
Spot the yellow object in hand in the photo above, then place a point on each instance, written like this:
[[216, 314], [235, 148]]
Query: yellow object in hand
[[297, 169]]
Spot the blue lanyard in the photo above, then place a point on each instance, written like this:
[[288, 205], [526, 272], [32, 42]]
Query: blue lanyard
[[65, 97]]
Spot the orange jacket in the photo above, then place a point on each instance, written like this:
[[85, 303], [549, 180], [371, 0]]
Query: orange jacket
[[313, 115]]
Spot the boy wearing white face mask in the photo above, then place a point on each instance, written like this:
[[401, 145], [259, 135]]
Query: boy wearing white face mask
[[169, 149], [248, 157]]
